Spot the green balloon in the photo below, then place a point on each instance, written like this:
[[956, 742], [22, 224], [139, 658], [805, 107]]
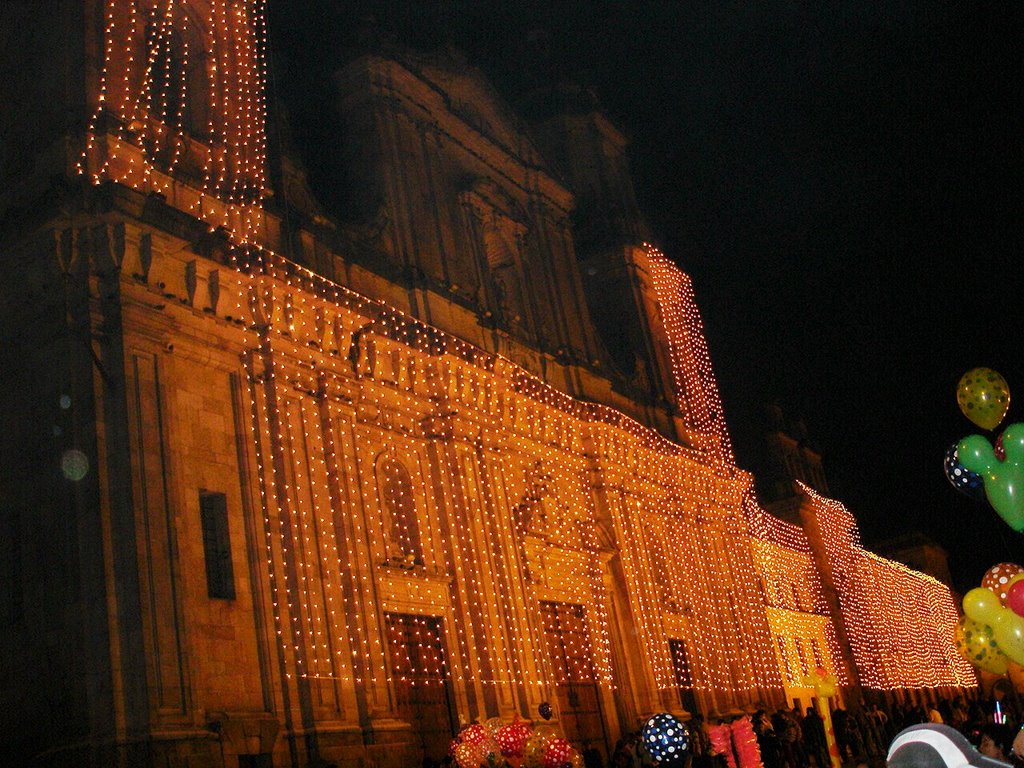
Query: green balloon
[[976, 453], [1006, 495], [1004, 480]]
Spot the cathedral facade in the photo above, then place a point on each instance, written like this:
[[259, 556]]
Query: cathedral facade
[[288, 486]]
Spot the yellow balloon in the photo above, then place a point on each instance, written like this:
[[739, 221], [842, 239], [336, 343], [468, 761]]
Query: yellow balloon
[[533, 751], [984, 397], [975, 642], [493, 725], [1008, 630], [982, 605]]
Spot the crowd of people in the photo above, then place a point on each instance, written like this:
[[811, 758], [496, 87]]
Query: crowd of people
[[795, 738]]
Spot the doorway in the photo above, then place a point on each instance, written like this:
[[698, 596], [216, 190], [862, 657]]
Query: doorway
[[419, 673]]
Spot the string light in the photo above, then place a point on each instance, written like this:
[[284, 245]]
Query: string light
[[795, 603], [694, 380], [899, 621], [145, 88]]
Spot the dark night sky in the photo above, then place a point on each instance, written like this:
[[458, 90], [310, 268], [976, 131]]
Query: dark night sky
[[842, 180]]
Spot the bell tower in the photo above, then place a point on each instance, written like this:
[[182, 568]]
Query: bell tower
[[177, 106]]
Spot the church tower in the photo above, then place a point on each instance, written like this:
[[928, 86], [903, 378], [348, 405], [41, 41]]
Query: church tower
[[791, 459], [178, 107], [131, 149], [641, 303]]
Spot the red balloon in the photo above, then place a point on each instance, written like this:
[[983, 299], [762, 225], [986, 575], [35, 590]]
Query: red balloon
[[557, 753], [512, 738], [473, 734], [1015, 597]]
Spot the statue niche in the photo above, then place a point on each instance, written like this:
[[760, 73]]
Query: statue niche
[[502, 251], [403, 544], [496, 222], [166, 109]]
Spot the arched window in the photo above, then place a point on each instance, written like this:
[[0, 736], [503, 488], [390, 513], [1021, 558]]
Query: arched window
[[176, 89], [396, 496], [165, 80]]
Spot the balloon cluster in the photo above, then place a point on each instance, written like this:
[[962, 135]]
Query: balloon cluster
[[475, 746], [974, 465], [666, 739], [514, 744], [991, 633], [745, 741], [721, 742]]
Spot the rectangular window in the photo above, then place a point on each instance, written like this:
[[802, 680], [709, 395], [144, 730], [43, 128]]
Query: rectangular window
[[819, 660], [803, 656], [220, 577], [781, 645], [680, 663]]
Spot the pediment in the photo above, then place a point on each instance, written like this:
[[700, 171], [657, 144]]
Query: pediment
[[470, 97]]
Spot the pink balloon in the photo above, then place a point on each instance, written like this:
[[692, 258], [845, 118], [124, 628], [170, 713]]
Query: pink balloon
[[1015, 597]]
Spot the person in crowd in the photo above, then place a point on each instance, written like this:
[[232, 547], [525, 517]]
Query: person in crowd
[[785, 730], [1017, 749], [899, 717], [945, 710], [767, 740], [855, 736], [886, 724], [870, 736], [997, 741], [797, 718], [700, 744], [814, 738], [620, 757], [958, 713], [841, 726]]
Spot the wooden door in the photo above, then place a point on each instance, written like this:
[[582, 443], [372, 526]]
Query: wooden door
[[571, 652], [419, 671]]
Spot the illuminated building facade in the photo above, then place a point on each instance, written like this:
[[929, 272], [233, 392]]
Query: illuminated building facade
[[282, 493]]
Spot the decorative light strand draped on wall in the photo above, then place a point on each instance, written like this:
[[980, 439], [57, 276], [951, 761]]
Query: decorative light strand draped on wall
[[899, 621], [139, 135], [694, 377], [793, 593], [321, 471]]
